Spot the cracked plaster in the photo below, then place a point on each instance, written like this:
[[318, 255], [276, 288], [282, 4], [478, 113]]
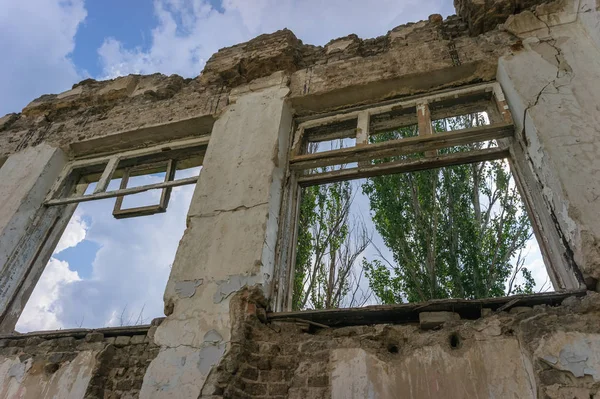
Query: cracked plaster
[[575, 352], [552, 83]]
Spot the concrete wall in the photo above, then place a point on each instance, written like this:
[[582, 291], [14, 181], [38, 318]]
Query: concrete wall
[[229, 242], [495, 357], [28, 231], [552, 85], [25, 179], [21, 380]]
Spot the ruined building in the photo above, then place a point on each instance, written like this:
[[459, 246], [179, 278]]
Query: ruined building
[[229, 332]]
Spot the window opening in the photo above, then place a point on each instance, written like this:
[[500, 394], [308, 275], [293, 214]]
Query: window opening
[[110, 269], [141, 176], [429, 208], [456, 232]]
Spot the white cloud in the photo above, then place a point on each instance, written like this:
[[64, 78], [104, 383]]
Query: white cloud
[[74, 233], [36, 38], [129, 272], [43, 309], [190, 31]]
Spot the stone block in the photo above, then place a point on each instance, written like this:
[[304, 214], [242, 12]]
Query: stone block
[[137, 339], [33, 341], [520, 309], [94, 337], [431, 320], [58, 357], [122, 340]]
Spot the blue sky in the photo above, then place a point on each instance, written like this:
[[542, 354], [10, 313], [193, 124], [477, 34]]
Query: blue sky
[[105, 268], [130, 22], [48, 45]]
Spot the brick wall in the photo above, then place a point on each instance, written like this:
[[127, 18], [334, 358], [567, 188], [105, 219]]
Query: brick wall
[[118, 359], [293, 359]]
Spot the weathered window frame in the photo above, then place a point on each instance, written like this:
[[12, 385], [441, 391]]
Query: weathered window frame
[[135, 160], [28, 261], [486, 97]]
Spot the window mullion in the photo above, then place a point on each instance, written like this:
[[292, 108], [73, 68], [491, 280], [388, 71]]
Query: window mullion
[[362, 134], [425, 127], [111, 166]]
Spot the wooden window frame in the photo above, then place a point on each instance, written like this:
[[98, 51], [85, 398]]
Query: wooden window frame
[[429, 107], [161, 207], [127, 162], [427, 142]]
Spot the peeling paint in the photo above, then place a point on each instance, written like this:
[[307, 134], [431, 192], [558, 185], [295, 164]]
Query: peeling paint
[[210, 356], [213, 336], [574, 360], [18, 370], [187, 288], [233, 284], [574, 352]]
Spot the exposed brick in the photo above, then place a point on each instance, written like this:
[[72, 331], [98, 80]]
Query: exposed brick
[[278, 389], [58, 357], [320, 356], [33, 341], [282, 362], [256, 388], [124, 385], [269, 348], [264, 363], [298, 393], [249, 373], [314, 346], [272, 375], [289, 348], [318, 381], [299, 381]]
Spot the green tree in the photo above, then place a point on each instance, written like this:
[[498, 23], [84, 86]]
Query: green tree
[[453, 232], [329, 241]]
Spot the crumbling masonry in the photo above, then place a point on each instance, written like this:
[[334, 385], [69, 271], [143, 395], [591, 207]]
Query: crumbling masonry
[[224, 334]]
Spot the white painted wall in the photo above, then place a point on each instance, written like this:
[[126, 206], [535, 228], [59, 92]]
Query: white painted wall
[[27, 379]]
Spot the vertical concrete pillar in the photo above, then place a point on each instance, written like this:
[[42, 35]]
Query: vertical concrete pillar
[[230, 238], [552, 85], [25, 179]]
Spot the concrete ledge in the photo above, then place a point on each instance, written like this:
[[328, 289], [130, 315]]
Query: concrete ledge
[[82, 332], [409, 313]]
